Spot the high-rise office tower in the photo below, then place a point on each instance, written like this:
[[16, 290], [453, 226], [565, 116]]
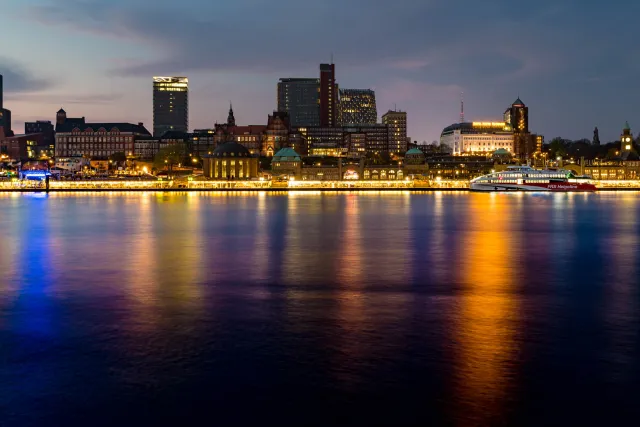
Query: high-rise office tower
[[300, 98], [328, 96], [358, 106], [170, 105], [397, 123]]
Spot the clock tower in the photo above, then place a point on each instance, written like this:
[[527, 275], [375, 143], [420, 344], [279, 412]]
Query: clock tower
[[626, 139]]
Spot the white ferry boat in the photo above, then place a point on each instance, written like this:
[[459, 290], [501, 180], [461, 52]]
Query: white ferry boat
[[525, 178]]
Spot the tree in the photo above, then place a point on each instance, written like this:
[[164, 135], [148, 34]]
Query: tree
[[118, 157], [170, 155], [379, 158], [557, 148]]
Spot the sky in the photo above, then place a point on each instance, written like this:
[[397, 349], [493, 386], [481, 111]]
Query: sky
[[575, 63]]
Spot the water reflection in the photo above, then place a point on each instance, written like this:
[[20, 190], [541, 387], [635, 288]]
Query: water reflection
[[464, 304], [621, 294], [486, 316]]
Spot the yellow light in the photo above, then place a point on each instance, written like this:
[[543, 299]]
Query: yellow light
[[145, 169], [627, 147]]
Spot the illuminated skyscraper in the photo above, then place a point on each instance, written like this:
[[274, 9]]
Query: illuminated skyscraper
[[170, 105], [397, 122], [358, 106]]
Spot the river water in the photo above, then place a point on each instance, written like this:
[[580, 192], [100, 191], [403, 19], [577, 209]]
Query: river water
[[307, 309]]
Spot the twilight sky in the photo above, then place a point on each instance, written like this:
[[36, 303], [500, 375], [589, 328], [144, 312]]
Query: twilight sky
[[575, 63]]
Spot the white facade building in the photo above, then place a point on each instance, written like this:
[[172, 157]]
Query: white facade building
[[478, 137], [72, 164]]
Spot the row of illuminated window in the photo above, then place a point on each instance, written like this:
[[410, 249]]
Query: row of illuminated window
[[98, 153], [84, 139], [391, 174], [86, 147]]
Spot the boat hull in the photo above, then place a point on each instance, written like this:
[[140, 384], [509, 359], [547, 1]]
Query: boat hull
[[559, 187]]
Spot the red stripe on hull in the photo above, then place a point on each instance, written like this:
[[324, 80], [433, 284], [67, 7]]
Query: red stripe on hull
[[564, 186]]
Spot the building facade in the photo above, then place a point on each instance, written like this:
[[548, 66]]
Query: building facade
[[397, 122], [287, 163], [328, 96], [300, 98], [376, 137], [170, 105], [477, 137], [72, 164], [19, 147], [276, 134], [47, 130], [97, 140], [357, 106], [146, 147], [230, 161]]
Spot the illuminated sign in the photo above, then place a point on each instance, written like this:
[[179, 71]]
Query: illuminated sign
[[351, 174], [492, 125], [36, 174]]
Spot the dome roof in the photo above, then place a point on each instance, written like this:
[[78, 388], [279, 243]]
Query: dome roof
[[414, 151], [231, 149], [518, 103], [287, 155], [501, 152]]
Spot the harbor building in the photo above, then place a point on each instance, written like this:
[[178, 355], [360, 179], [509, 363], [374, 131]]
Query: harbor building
[[230, 161]]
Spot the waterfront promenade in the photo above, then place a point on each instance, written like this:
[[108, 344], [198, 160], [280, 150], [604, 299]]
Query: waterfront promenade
[[269, 186]]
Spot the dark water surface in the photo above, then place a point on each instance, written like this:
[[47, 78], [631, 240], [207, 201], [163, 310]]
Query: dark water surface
[[319, 309]]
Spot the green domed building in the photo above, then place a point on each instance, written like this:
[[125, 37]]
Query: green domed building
[[286, 162]]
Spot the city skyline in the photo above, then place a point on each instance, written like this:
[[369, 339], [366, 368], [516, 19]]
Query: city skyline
[[573, 74]]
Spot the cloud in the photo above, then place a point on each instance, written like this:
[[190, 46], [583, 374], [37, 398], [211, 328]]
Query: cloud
[[67, 98], [17, 79], [262, 36], [552, 52]]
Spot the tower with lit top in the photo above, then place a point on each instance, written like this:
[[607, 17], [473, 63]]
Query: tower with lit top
[[626, 139], [170, 105]]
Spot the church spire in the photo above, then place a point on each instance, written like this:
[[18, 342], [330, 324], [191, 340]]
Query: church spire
[[231, 120]]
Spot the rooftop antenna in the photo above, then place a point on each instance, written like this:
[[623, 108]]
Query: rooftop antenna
[[461, 107], [332, 57]]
